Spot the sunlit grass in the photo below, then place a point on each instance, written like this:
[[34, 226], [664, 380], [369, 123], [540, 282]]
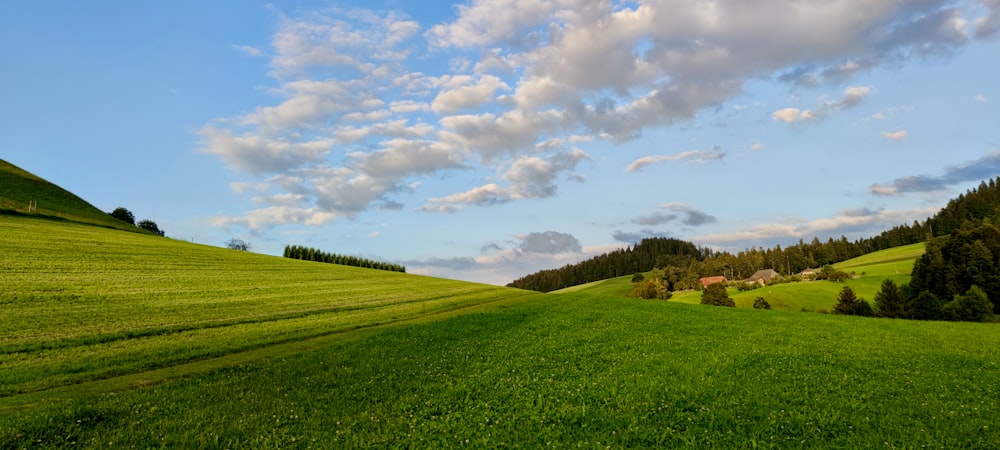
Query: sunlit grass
[[574, 370], [82, 303]]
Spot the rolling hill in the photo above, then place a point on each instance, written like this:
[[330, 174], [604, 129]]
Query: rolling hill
[[110, 339], [869, 271], [20, 188]]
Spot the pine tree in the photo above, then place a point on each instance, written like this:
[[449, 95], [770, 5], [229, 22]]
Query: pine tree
[[890, 301], [847, 302]]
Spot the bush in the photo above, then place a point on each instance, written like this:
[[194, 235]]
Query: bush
[[238, 244], [637, 277], [716, 295], [761, 303], [743, 286], [150, 226], [123, 215]]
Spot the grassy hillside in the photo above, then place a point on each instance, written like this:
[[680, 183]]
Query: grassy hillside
[[83, 303], [574, 370], [19, 187], [870, 270]]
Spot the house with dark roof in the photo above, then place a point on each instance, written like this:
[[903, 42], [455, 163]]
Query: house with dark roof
[[762, 277], [711, 280]]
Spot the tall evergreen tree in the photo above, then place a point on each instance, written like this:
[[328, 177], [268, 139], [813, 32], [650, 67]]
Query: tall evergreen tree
[[890, 301]]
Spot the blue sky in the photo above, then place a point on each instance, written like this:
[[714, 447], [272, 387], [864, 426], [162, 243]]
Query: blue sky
[[486, 140]]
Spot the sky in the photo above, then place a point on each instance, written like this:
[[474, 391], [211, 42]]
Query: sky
[[488, 139]]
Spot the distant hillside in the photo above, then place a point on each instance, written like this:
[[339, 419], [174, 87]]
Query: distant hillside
[[24, 193], [686, 263]]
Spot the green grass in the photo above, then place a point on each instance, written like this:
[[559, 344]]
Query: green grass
[[573, 370], [83, 303], [869, 270], [19, 188]]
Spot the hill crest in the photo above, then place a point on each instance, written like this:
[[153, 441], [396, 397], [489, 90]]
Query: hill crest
[[24, 193]]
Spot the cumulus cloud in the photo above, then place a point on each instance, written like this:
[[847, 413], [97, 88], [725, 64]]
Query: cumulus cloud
[[981, 169], [529, 76], [549, 242], [897, 135], [852, 96], [690, 155], [529, 177]]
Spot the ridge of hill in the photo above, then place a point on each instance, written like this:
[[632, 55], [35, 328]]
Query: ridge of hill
[[24, 193]]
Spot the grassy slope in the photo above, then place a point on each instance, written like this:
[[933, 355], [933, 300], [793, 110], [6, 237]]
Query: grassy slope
[[18, 187], [575, 370], [871, 270], [83, 303]]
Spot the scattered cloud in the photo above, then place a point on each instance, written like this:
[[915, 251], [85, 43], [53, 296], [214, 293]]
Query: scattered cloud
[[550, 242], [980, 169], [633, 237], [888, 112], [852, 96], [980, 98], [249, 50], [690, 155], [897, 135], [676, 212], [356, 121], [853, 222]]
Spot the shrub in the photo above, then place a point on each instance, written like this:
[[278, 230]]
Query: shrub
[[637, 277], [716, 295], [761, 303]]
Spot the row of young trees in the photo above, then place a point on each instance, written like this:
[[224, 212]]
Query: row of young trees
[[684, 263], [312, 254]]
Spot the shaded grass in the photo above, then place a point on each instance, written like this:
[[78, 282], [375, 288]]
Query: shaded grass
[[574, 370]]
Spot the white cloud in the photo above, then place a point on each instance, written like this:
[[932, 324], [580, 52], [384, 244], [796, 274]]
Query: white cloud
[[853, 95], [467, 94], [690, 155], [249, 50], [354, 122], [897, 136], [980, 98]]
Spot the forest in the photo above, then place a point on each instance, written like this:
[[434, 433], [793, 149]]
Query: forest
[[685, 263]]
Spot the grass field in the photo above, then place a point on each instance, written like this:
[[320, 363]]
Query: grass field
[[83, 303], [573, 370], [869, 270], [19, 189]]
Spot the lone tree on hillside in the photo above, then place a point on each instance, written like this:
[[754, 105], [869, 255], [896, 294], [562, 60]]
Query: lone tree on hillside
[[123, 215], [716, 295], [761, 303], [238, 244], [150, 226]]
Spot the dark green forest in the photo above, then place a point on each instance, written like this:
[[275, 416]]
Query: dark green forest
[[312, 254], [685, 262]]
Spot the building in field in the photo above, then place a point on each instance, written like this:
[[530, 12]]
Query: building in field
[[762, 277], [711, 280]]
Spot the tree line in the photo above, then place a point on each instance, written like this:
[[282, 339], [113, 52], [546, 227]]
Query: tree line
[[684, 263], [312, 254]]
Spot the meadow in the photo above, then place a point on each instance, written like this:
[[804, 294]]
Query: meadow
[[111, 339], [572, 370], [83, 303], [869, 271]]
